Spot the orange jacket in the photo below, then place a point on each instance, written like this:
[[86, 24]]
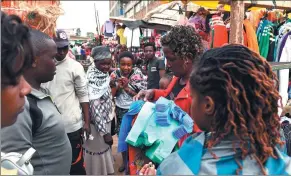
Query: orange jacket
[[183, 100], [251, 37]]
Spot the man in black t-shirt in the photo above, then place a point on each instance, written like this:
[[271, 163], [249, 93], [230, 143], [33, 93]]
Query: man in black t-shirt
[[155, 66]]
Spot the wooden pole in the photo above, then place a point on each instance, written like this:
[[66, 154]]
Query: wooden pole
[[236, 21]]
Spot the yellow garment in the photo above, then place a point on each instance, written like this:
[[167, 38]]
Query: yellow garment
[[252, 42], [120, 32], [8, 171]]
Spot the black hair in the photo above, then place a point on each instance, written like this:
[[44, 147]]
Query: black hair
[[126, 54], [184, 41], [15, 42], [244, 89], [39, 41], [150, 44]]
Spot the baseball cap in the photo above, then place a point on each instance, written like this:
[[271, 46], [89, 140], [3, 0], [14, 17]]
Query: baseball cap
[[61, 39]]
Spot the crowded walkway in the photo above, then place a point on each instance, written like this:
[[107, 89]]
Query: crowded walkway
[[187, 102]]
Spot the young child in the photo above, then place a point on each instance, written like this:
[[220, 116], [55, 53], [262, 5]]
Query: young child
[[126, 82], [234, 99], [165, 81]]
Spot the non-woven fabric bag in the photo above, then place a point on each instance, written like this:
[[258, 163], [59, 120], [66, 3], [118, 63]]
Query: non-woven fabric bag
[[19, 162]]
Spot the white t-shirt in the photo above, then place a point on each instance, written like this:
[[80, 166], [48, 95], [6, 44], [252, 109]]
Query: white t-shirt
[[78, 50], [132, 35]]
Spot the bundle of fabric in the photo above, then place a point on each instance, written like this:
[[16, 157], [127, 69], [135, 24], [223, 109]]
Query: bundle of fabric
[[154, 132], [40, 15]]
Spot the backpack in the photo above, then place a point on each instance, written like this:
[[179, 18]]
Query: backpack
[[18, 162]]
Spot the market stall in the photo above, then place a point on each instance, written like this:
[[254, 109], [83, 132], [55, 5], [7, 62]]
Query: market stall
[[138, 32]]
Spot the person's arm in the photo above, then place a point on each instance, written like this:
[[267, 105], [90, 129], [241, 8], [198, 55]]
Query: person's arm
[[80, 83], [113, 86], [161, 67], [130, 92], [163, 93]]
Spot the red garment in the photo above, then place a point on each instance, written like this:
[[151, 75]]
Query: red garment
[[183, 100], [88, 52], [220, 37]]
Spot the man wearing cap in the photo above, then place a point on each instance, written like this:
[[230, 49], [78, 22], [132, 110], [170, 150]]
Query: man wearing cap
[[69, 91]]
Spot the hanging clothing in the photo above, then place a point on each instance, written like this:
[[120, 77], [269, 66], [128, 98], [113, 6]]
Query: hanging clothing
[[147, 32], [281, 37], [219, 36], [195, 151], [251, 38], [284, 74], [199, 22], [132, 37], [122, 38], [282, 44], [108, 27], [218, 33], [265, 33]]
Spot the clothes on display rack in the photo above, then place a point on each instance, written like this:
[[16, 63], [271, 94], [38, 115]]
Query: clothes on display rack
[[108, 29], [132, 37], [275, 45], [250, 38], [281, 39], [266, 38], [218, 34], [199, 22], [284, 74], [120, 34], [147, 32]]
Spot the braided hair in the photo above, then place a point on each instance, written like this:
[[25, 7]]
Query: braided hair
[[184, 41], [244, 90], [15, 46]]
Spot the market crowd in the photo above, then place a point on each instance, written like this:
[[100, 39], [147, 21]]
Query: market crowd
[[69, 115]]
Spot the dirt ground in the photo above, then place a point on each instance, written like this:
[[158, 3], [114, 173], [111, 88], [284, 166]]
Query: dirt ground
[[117, 156]]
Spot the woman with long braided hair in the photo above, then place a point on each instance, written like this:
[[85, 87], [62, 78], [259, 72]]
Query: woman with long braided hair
[[234, 101]]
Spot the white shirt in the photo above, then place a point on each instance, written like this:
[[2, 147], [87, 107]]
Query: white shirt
[[284, 74], [68, 89], [134, 35], [78, 48]]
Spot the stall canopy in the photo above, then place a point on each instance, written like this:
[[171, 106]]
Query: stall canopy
[[165, 13], [131, 23], [168, 13]]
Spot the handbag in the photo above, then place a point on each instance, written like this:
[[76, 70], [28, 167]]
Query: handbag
[[20, 163]]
